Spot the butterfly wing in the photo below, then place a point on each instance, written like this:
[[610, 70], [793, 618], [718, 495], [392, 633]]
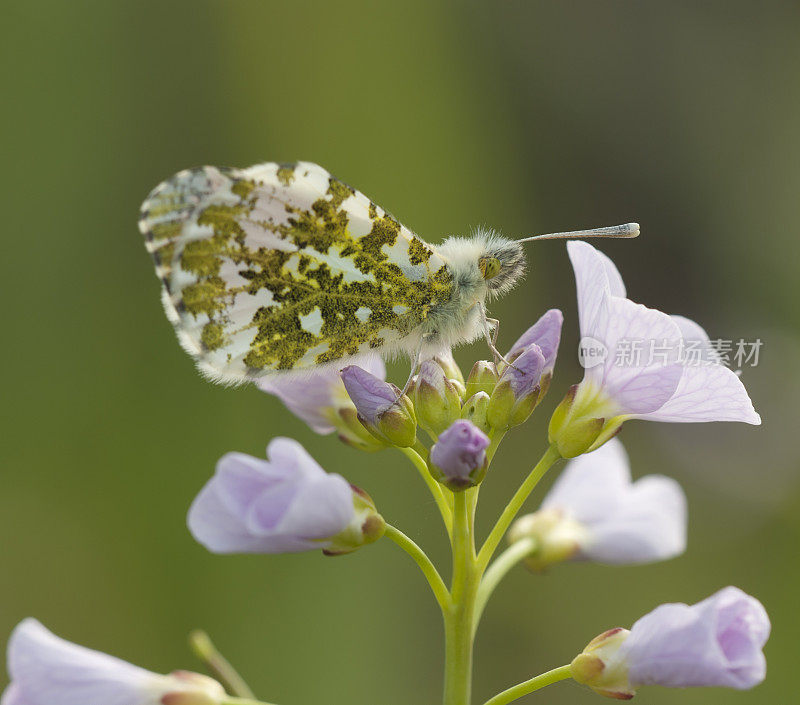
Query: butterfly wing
[[283, 267]]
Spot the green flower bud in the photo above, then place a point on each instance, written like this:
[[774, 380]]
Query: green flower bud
[[366, 526], [482, 378], [436, 399], [397, 425], [383, 411], [352, 432], [475, 410]]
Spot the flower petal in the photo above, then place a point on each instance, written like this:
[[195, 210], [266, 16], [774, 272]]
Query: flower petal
[[591, 280], [715, 642], [46, 669], [591, 484], [640, 385], [322, 508], [707, 393], [648, 525], [546, 333]]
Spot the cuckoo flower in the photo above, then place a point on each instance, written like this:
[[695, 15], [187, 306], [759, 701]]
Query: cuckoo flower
[[594, 512], [637, 365], [717, 642], [321, 400], [284, 504], [459, 455], [45, 669]]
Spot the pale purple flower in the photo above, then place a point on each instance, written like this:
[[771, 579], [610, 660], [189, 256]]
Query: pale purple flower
[[284, 504], [595, 512], [460, 454], [717, 642], [47, 670], [664, 384], [318, 397], [546, 333]]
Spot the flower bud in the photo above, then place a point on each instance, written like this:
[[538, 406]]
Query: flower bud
[[546, 333], [482, 378], [602, 666], [365, 527], [353, 433], [321, 400], [459, 456], [518, 390], [436, 399], [558, 537], [451, 370], [475, 409], [381, 408]]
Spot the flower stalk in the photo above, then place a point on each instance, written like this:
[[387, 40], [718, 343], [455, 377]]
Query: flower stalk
[[203, 648]]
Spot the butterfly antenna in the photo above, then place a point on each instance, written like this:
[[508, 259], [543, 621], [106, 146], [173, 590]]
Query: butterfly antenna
[[615, 231]]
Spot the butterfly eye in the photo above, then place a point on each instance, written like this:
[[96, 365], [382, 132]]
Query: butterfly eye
[[489, 266]]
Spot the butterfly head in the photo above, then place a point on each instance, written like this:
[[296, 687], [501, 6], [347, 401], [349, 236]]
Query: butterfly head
[[502, 264], [486, 263]]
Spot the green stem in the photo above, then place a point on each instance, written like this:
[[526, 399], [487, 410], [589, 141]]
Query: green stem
[[500, 528], [495, 438], [498, 570], [202, 647], [433, 486], [540, 681], [421, 558], [459, 618]]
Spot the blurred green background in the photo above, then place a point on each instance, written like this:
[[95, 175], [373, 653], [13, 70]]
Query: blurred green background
[[527, 116]]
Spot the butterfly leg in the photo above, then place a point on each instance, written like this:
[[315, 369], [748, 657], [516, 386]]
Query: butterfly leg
[[491, 337], [414, 367]]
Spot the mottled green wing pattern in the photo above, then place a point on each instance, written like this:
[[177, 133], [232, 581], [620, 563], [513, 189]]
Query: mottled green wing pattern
[[282, 267]]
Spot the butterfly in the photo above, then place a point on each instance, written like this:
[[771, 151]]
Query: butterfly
[[284, 269]]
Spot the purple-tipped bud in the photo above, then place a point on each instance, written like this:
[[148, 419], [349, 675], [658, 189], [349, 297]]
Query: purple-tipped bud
[[459, 456], [518, 390], [381, 408], [436, 399], [482, 378], [546, 333], [321, 400]]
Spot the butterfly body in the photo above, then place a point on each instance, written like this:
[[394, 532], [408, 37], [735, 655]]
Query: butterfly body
[[280, 269]]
